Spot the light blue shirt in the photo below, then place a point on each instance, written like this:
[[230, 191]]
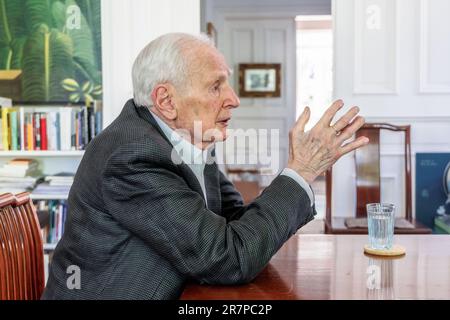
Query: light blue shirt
[[196, 158]]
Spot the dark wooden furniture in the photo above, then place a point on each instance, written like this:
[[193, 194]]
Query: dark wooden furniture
[[335, 267], [248, 189], [21, 250], [11, 84], [367, 162]]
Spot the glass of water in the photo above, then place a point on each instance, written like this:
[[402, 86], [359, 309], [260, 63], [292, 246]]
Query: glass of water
[[380, 220]]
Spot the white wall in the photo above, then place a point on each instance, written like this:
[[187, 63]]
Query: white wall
[[269, 8], [127, 26], [396, 68], [263, 32]]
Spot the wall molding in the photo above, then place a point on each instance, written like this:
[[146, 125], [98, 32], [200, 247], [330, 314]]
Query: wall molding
[[391, 119], [410, 119], [273, 11], [424, 85], [390, 86]]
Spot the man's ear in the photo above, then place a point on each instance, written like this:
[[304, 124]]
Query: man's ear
[[162, 100]]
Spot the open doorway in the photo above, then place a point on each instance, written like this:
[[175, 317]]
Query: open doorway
[[314, 41]]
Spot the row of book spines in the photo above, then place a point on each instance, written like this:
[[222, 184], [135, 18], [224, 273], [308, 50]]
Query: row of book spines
[[57, 210], [64, 130]]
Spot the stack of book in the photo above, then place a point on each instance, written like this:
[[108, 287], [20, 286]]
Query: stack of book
[[19, 175], [37, 128], [17, 185], [56, 212], [57, 185], [19, 168], [60, 179]]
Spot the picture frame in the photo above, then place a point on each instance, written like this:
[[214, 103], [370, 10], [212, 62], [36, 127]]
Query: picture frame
[[64, 68], [212, 32], [260, 80]]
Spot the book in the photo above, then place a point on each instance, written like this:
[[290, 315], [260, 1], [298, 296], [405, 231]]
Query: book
[[47, 128], [78, 130], [19, 168], [91, 117], [13, 130], [18, 172], [52, 143], [58, 131], [22, 162], [5, 128], [21, 180], [60, 179], [52, 217], [30, 131], [74, 131], [85, 124], [18, 184], [1, 125], [46, 188], [44, 138], [98, 108], [5, 104], [65, 128], [431, 196], [37, 130], [22, 127]]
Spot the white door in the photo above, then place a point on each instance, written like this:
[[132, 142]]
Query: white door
[[258, 40]]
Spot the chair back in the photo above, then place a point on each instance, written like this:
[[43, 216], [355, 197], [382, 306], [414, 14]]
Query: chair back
[[367, 166], [21, 249]]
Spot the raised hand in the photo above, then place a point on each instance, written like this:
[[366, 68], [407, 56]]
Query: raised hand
[[314, 151]]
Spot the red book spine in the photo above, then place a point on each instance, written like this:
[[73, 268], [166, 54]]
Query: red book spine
[[43, 132]]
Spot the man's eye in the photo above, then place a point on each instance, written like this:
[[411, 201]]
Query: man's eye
[[216, 88]]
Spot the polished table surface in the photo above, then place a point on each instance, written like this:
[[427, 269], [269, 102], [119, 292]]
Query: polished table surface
[[335, 267]]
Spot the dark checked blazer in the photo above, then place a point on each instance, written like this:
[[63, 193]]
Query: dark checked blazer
[[138, 226]]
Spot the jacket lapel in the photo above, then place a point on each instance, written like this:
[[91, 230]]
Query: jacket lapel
[[212, 185], [184, 169]]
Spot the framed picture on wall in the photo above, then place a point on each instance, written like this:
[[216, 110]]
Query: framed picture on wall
[[54, 56], [211, 32], [260, 80]]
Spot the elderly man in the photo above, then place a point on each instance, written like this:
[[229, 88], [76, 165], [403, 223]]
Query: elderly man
[[146, 210]]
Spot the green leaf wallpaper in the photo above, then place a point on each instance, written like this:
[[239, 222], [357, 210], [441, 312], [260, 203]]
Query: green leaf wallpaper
[[50, 50]]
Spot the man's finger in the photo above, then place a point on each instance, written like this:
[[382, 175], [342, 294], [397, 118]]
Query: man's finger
[[345, 119], [350, 130], [330, 113], [358, 143], [302, 120]]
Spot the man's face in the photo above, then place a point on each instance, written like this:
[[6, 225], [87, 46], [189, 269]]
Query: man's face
[[208, 98]]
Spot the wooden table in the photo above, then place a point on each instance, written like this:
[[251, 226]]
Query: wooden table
[[335, 267]]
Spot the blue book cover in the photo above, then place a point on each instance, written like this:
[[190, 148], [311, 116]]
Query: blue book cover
[[58, 131], [431, 196], [98, 122]]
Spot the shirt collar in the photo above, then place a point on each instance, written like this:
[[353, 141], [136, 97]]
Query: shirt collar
[[189, 153]]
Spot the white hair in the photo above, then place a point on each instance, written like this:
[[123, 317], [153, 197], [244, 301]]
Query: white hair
[[163, 60]]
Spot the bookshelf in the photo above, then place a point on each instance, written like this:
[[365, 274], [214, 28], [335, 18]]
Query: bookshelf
[[73, 129], [32, 154], [49, 246], [49, 197], [50, 162]]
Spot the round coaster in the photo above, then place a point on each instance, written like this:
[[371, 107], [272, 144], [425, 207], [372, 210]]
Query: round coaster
[[396, 250]]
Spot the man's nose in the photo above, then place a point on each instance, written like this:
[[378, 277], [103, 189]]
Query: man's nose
[[232, 100]]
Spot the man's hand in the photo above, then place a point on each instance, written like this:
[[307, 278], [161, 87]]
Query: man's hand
[[313, 152]]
